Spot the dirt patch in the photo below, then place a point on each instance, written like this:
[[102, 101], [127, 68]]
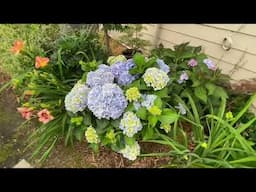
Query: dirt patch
[[80, 156]]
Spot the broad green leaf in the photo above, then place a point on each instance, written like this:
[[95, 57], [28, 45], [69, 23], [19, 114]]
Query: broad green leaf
[[130, 107], [79, 133], [162, 93], [168, 117], [115, 123], [152, 121], [129, 140], [200, 93], [211, 88], [147, 133], [220, 92], [158, 102], [142, 113], [139, 60], [102, 125]]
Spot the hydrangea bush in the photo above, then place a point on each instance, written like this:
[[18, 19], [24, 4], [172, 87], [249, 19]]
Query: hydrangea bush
[[119, 103]]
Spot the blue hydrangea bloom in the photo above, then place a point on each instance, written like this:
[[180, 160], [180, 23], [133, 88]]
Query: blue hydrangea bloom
[[120, 70], [104, 67], [107, 101], [148, 100], [210, 64], [99, 77], [163, 66], [76, 99], [183, 77]]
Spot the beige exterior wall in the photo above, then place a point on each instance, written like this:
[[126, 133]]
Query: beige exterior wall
[[242, 55]]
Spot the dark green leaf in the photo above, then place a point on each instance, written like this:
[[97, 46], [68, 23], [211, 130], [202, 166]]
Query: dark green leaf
[[115, 123], [79, 133], [200, 93], [210, 87], [102, 125], [162, 93], [220, 92]]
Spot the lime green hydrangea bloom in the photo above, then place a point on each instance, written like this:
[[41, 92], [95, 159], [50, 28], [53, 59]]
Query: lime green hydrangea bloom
[[133, 94], [111, 136], [229, 115], [155, 78], [113, 59], [166, 127], [154, 110], [91, 135]]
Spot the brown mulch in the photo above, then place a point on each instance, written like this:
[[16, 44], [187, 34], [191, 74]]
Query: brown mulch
[[80, 156], [116, 47]]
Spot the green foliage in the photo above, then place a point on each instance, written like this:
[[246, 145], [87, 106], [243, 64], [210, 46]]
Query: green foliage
[[223, 147], [37, 38], [132, 37]]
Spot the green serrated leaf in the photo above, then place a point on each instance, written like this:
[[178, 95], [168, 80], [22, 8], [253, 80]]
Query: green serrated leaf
[[210, 87], [200, 93], [139, 60], [147, 133], [102, 125], [152, 121], [220, 92], [168, 117], [79, 133], [129, 140], [115, 123], [162, 93], [142, 113], [158, 102]]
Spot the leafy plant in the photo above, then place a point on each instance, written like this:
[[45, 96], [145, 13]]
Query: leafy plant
[[223, 147], [132, 37]]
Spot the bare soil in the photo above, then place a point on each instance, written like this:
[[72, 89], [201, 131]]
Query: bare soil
[[80, 156]]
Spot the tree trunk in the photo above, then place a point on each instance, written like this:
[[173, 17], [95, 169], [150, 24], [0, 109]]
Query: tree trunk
[[107, 43]]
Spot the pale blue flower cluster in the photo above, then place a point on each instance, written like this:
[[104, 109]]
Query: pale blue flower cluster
[[130, 124], [181, 109], [183, 77], [148, 100], [163, 66], [120, 70], [99, 77], [107, 101], [131, 151], [210, 64], [76, 99]]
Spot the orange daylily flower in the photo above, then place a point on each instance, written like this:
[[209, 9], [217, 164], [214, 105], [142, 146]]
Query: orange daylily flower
[[17, 47], [44, 116], [29, 92], [41, 62]]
